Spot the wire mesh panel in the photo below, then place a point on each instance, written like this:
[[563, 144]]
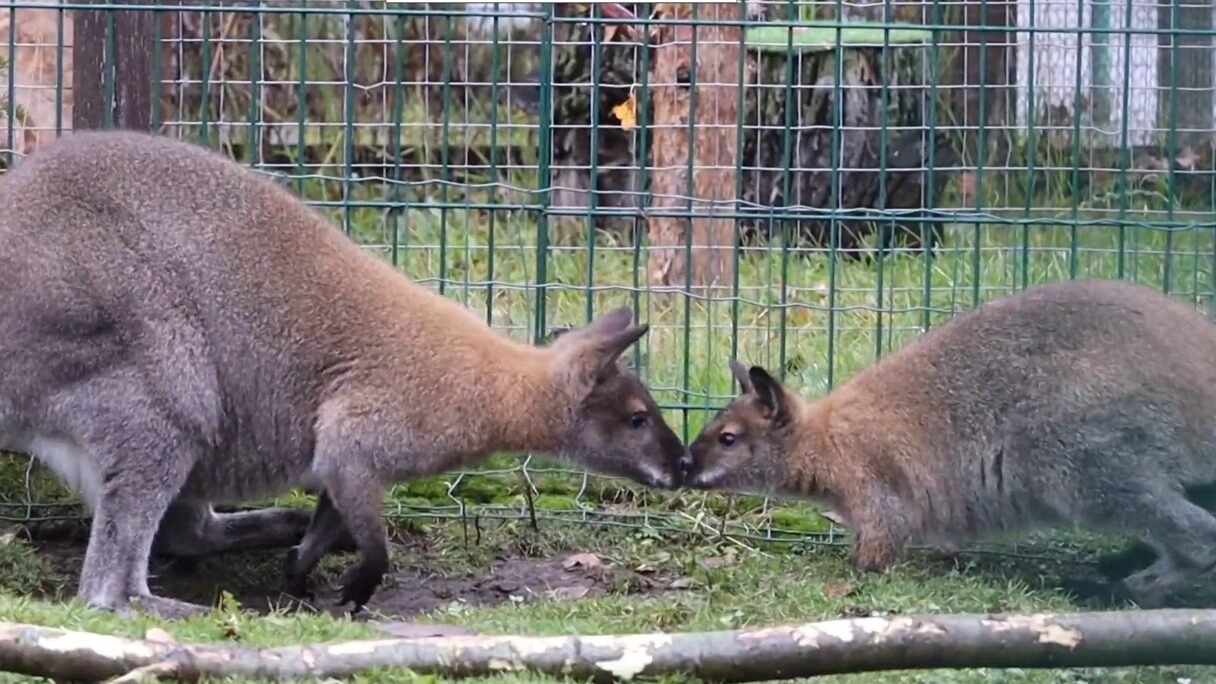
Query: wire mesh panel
[[893, 165]]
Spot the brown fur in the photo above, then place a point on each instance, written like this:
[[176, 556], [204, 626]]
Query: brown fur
[[180, 330], [1084, 403]]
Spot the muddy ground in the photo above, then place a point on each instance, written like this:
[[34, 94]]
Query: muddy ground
[[423, 579]]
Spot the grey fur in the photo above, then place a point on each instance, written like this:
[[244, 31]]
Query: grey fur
[[1085, 403], [178, 331]]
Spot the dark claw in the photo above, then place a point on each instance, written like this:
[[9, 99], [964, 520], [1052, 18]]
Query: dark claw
[[1105, 594], [297, 583], [358, 586]]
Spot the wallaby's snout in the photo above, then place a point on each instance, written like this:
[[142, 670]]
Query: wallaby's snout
[[687, 466], [692, 471]]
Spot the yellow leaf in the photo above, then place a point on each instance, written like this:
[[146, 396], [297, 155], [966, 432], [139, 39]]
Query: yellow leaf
[[627, 112]]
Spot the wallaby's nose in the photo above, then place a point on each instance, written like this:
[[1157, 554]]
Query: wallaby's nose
[[686, 464]]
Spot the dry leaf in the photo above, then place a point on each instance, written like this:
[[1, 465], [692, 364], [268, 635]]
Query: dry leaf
[[613, 10], [589, 561], [1187, 159], [665, 10], [712, 562], [832, 517], [627, 111], [681, 583], [569, 593], [856, 612], [159, 636], [644, 569], [836, 590]]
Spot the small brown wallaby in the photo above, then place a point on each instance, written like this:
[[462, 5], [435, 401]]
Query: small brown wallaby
[[1086, 403], [178, 330]]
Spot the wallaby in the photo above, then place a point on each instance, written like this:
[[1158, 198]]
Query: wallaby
[[179, 330], [1086, 403]]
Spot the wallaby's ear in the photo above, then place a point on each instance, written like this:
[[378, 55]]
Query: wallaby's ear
[[614, 345], [771, 395], [556, 333], [611, 322], [593, 349], [740, 372], [597, 330]]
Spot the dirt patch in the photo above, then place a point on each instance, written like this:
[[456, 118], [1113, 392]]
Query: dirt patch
[[420, 582]]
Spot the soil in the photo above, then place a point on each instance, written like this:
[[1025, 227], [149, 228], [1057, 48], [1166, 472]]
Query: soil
[[420, 582]]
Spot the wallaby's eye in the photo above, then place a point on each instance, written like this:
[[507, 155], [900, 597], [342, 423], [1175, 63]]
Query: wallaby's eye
[[638, 420], [726, 439]]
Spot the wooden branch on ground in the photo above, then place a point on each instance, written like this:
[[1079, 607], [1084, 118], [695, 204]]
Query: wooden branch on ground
[[1111, 639]]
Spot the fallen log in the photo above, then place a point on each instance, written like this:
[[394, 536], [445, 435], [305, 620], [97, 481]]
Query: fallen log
[[1099, 639]]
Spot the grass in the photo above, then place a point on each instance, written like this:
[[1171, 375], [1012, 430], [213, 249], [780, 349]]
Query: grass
[[730, 586]]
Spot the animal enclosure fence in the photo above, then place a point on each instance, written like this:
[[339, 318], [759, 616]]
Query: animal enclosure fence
[[864, 172]]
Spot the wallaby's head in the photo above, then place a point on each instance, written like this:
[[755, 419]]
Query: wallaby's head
[[743, 447], [611, 423]]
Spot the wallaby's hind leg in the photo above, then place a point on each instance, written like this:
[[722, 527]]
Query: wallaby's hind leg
[[144, 459], [191, 528], [1183, 534]]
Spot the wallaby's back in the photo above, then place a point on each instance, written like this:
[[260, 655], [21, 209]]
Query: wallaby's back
[[215, 282], [1076, 363]]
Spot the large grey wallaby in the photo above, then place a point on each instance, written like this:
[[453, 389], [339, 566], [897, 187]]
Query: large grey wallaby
[[178, 330], [1084, 403]]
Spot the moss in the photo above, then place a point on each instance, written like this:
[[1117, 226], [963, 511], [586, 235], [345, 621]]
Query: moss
[[556, 502], [415, 502], [22, 572], [433, 489], [552, 483], [807, 520], [43, 486], [485, 490]]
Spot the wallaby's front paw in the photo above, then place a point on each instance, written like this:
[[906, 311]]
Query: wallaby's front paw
[[167, 608], [1144, 593], [1097, 593], [297, 580], [358, 585], [1123, 562]]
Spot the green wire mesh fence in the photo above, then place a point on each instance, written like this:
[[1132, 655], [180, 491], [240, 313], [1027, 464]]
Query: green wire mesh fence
[[875, 168]]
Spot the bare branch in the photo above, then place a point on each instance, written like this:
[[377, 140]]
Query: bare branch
[[1159, 637]]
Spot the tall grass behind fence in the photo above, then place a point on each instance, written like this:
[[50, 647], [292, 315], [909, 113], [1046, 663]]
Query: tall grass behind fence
[[443, 137]]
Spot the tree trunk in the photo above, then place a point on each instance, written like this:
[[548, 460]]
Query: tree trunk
[[1112, 639], [838, 164], [129, 106], [696, 105], [1185, 71]]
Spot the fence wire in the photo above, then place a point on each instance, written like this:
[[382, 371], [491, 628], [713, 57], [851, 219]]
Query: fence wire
[[892, 165]]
